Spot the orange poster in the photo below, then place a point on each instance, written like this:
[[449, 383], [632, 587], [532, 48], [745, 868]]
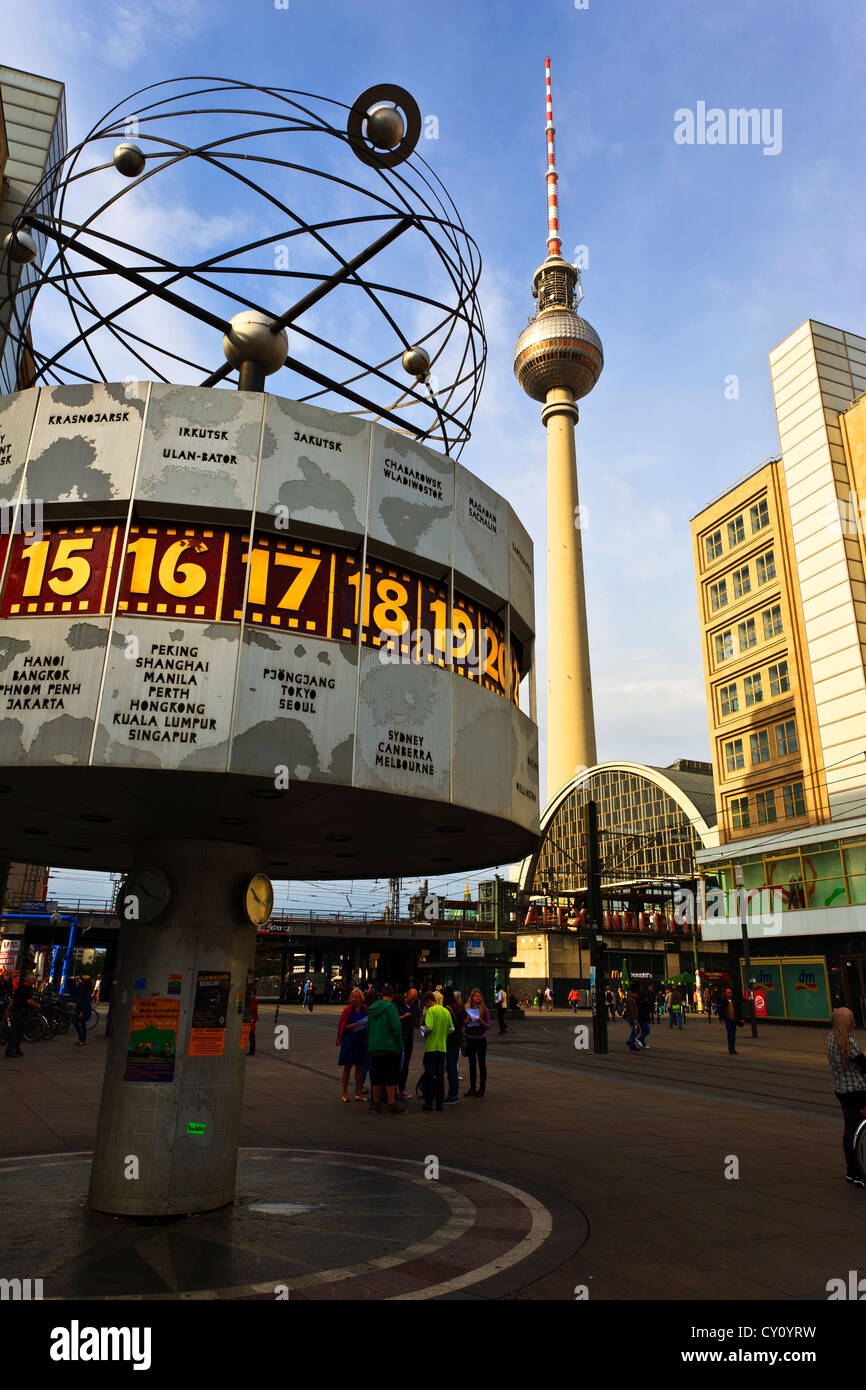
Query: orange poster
[[207, 1037]]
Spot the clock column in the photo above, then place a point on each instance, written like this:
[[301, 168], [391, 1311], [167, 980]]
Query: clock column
[[168, 1147]]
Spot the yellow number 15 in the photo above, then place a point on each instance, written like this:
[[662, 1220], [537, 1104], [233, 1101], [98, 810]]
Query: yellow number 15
[[36, 557]]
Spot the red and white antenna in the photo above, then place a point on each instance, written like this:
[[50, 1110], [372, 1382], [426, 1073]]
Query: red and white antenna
[[554, 245]]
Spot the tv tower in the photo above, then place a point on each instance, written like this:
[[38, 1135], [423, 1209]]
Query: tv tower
[[557, 360]]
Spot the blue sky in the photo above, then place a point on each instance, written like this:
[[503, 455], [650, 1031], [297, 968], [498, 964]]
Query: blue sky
[[700, 258]]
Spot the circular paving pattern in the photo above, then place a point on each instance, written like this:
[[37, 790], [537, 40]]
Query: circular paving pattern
[[306, 1224]]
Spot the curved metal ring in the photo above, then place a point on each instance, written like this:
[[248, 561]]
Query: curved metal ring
[[384, 159]]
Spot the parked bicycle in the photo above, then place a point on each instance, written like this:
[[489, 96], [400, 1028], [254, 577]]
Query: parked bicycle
[[35, 1029]]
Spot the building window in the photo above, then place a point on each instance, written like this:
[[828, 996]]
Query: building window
[[736, 532], [766, 566], [747, 634], [724, 645], [760, 746], [795, 801], [753, 689], [740, 812], [766, 804], [760, 515], [728, 698], [719, 594], [786, 738], [742, 582], [713, 543], [772, 621], [734, 754], [779, 682]]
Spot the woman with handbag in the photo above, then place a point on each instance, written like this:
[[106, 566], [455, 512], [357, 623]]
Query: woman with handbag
[[352, 1042], [477, 1025], [848, 1064]]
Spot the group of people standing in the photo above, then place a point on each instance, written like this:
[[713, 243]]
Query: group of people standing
[[641, 1010], [377, 1037]]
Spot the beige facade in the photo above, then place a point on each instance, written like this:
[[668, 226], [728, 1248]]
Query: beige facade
[[782, 604]]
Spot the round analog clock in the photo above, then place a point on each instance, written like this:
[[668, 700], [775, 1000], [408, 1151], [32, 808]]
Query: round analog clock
[[144, 894], [259, 899]]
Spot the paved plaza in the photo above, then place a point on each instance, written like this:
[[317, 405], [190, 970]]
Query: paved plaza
[[574, 1171]]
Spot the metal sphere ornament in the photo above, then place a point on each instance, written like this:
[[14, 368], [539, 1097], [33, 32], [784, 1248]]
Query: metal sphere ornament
[[129, 160], [253, 340], [20, 247], [416, 361], [281, 209], [385, 127], [371, 119]]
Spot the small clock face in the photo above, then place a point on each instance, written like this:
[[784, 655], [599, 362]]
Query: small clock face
[[144, 894], [259, 899]]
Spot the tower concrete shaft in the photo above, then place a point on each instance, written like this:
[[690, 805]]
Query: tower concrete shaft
[[570, 717]]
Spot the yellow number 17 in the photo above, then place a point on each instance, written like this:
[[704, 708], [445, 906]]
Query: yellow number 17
[[306, 565]]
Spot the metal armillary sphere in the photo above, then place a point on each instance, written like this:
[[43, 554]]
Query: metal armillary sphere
[[209, 231]]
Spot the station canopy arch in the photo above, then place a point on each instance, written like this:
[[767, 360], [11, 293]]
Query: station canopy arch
[[651, 822]]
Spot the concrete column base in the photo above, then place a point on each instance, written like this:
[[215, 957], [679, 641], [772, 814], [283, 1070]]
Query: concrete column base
[[203, 929]]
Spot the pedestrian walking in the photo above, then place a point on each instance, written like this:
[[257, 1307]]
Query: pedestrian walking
[[410, 1018], [308, 996], [548, 1000], [847, 1066], [731, 1015], [632, 1041], [435, 1029], [385, 1044], [645, 1013], [574, 999], [539, 998], [610, 1003], [254, 1018], [500, 1009], [676, 1008], [352, 1042], [83, 1010], [454, 1043], [21, 1003], [477, 1025]]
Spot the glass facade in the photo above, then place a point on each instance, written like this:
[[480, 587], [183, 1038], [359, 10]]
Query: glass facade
[[10, 363], [645, 837], [832, 874]]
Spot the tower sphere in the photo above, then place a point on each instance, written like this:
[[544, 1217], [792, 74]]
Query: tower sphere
[[251, 340], [558, 348]]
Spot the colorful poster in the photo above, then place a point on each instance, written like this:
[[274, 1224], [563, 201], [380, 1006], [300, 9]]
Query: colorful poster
[[152, 1045], [245, 1008], [207, 1037], [806, 990], [175, 984]]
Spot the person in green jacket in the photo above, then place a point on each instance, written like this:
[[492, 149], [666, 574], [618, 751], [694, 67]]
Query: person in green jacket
[[437, 1024], [385, 1043]]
